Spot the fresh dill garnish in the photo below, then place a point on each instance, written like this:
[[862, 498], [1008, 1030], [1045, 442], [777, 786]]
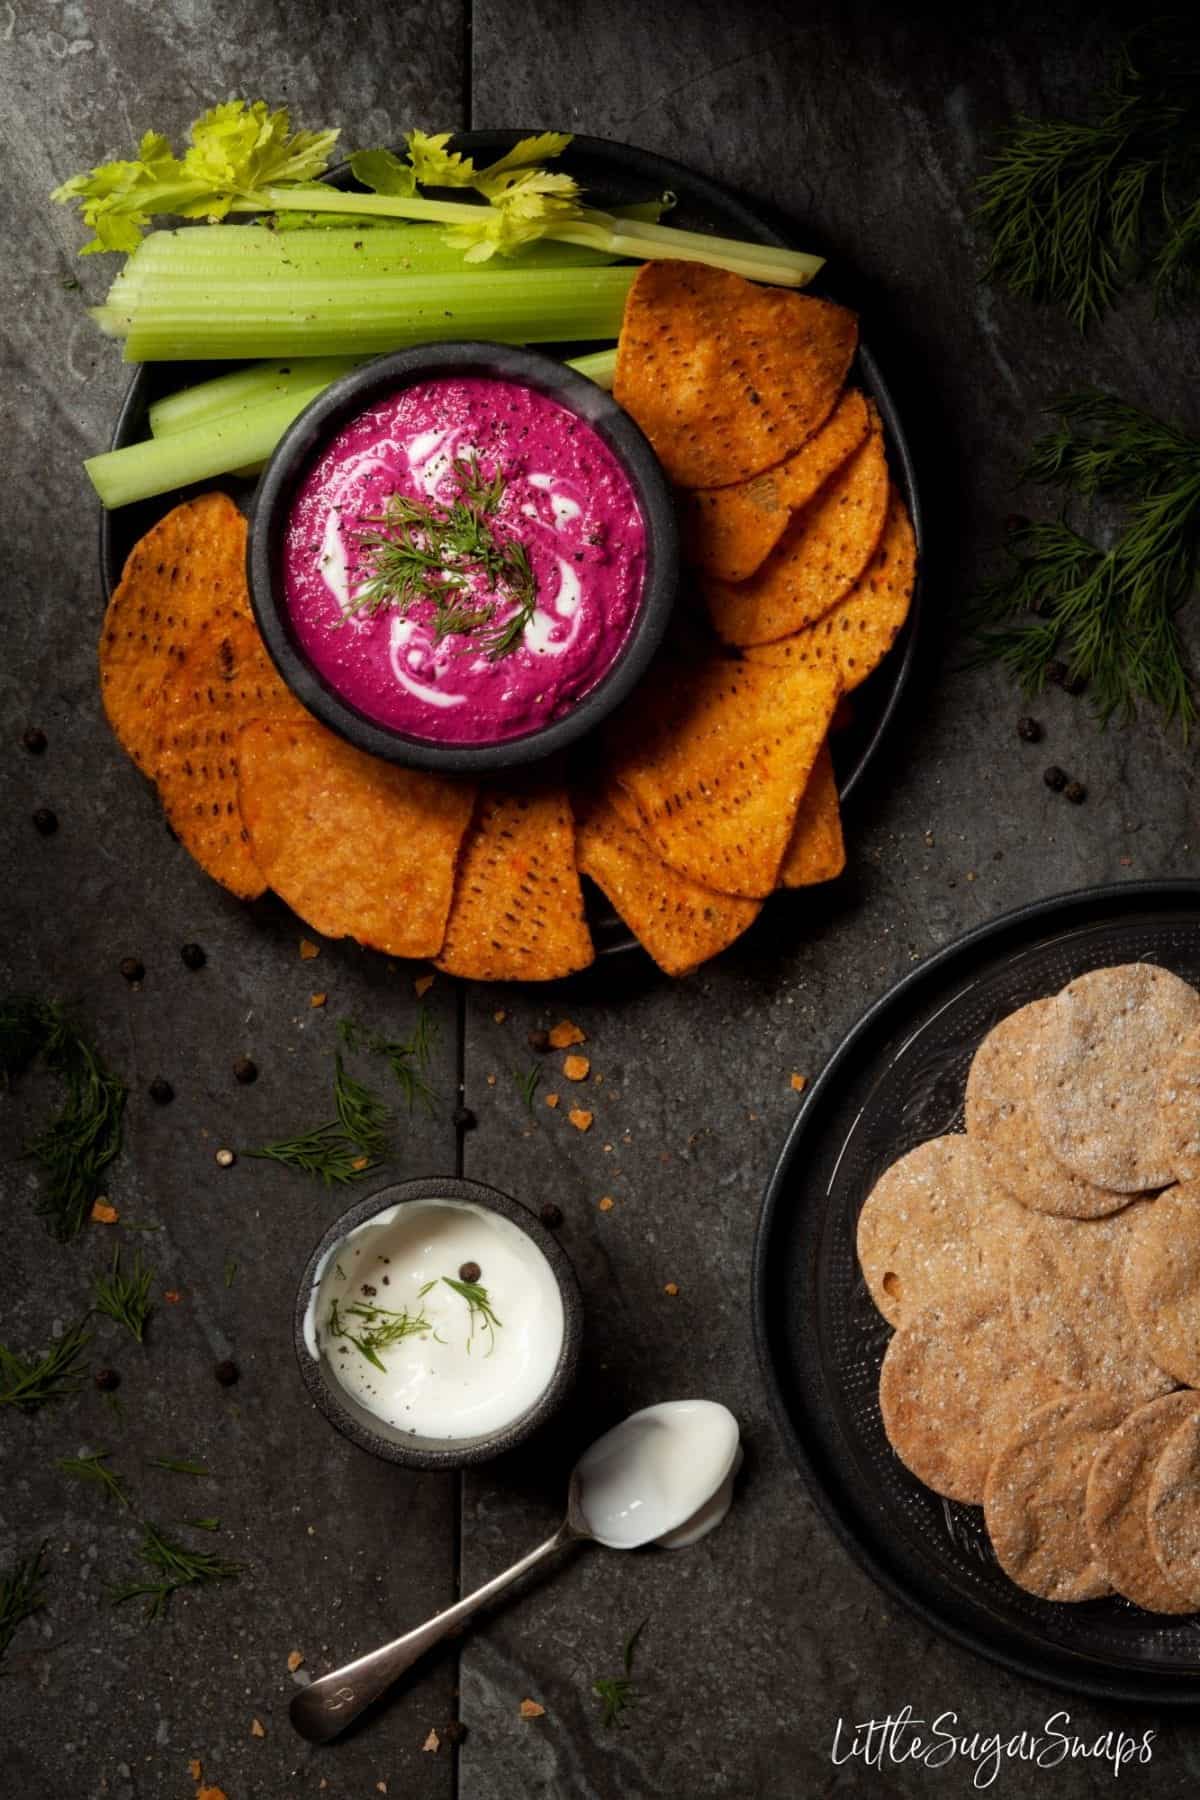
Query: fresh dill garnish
[[95, 1470], [375, 1328], [527, 1083], [617, 1693], [21, 1594], [407, 1058], [231, 1270], [178, 1465], [480, 1306], [325, 1151], [125, 1297], [1076, 209], [363, 1116], [30, 1382], [449, 556], [77, 1146], [204, 1524], [1110, 612], [176, 1567]]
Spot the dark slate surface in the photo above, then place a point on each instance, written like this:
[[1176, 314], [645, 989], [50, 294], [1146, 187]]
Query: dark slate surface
[[867, 131]]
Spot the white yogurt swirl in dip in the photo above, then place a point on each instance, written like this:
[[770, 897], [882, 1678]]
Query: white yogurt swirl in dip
[[449, 1371]]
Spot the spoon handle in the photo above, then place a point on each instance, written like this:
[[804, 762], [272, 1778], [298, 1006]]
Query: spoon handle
[[325, 1707]]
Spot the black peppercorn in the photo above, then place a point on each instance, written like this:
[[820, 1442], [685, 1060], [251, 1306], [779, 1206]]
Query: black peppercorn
[[551, 1215], [132, 969], [226, 1373], [454, 1732], [464, 1119], [45, 821], [245, 1071], [106, 1380], [34, 741], [1056, 672], [539, 1041], [1074, 683], [1055, 778], [469, 1272], [1075, 792], [161, 1090], [1029, 731], [193, 956]]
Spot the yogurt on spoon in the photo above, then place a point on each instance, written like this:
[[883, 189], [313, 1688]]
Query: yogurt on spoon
[[662, 1476]]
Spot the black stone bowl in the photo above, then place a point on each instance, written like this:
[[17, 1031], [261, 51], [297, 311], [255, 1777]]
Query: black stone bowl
[[374, 1434], [365, 387]]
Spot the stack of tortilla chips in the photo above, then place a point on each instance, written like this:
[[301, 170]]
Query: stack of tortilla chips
[[713, 787]]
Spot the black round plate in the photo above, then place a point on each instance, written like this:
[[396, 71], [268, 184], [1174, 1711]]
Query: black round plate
[[897, 1079], [614, 175]]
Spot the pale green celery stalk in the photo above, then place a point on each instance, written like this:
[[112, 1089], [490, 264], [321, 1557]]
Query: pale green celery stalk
[[241, 389], [158, 465], [600, 366], [395, 248], [348, 318]]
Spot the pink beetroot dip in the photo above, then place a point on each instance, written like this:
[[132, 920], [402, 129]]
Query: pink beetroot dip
[[566, 498]]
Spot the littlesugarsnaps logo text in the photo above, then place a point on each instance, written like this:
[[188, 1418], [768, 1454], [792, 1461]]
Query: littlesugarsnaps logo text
[[935, 1743]]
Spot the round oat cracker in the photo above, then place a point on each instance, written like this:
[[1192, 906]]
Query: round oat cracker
[[1160, 1281], [1173, 1509], [1177, 1128], [1033, 1500], [1118, 1494], [1066, 1285], [1104, 1052], [932, 1229], [1003, 1127], [956, 1382]]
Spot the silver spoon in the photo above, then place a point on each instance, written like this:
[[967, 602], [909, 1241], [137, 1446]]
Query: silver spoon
[[629, 1511]]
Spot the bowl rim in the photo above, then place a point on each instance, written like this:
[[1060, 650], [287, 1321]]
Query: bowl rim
[[436, 1453], [350, 395]]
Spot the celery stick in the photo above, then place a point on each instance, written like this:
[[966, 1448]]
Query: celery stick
[[232, 249], [158, 465], [243, 388], [600, 366]]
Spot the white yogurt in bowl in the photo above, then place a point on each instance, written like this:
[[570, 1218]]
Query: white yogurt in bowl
[[438, 1323]]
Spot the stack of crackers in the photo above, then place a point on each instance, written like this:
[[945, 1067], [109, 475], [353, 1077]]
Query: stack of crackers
[[1042, 1271]]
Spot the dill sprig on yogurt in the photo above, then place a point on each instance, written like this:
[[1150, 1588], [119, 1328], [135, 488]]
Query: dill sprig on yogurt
[[375, 1328], [480, 1306]]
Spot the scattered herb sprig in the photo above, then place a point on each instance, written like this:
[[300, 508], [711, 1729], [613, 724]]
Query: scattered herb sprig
[[480, 1306], [407, 1058], [363, 1116], [94, 1469], [1111, 612], [176, 1566], [78, 1145], [325, 1151], [177, 1465], [29, 1382], [125, 1297], [617, 1693], [1077, 208], [527, 1081], [21, 1594]]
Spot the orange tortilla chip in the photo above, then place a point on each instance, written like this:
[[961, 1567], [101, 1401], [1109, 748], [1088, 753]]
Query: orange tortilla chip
[[715, 755], [356, 847], [726, 378], [817, 851], [857, 633], [679, 922], [730, 531], [518, 906], [187, 573], [817, 560]]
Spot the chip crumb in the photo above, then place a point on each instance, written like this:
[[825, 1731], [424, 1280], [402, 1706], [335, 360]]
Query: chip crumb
[[257, 1728], [195, 1769], [317, 999], [211, 1793], [422, 985], [499, 1015], [580, 1118], [576, 1068], [361, 1162], [295, 1658], [104, 1212], [308, 949], [433, 1742], [172, 1296], [381, 1787], [491, 1081], [531, 1710], [606, 1203], [799, 1082], [671, 1288], [551, 1099], [971, 875], [566, 1034]]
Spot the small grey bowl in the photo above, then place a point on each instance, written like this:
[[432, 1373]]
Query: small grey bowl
[[374, 1434], [365, 387]]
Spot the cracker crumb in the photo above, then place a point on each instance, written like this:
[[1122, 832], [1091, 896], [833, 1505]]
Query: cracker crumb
[[799, 1082], [530, 1709], [565, 1035], [295, 1658], [576, 1068], [551, 1100], [499, 1015], [580, 1118], [433, 1743], [104, 1213], [671, 1288], [257, 1728], [211, 1793], [422, 985], [195, 1769], [172, 1296], [308, 949], [317, 999], [381, 1787], [361, 1162], [606, 1203], [491, 1081]]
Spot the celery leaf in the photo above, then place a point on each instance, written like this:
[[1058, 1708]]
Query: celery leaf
[[434, 165], [384, 173]]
